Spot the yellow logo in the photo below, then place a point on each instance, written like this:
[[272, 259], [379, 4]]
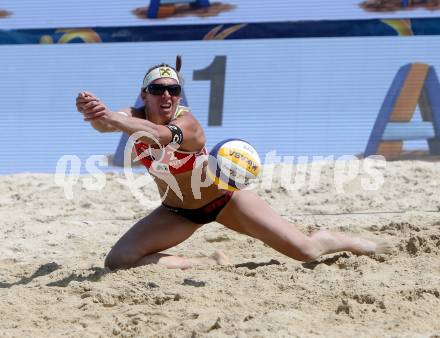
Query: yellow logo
[[164, 72], [217, 34]]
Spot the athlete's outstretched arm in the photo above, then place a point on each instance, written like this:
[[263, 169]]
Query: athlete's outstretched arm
[[129, 121], [192, 132]]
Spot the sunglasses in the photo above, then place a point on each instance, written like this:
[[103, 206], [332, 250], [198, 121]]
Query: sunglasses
[[159, 89]]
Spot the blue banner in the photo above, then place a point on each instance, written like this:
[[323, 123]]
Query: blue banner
[[268, 30]]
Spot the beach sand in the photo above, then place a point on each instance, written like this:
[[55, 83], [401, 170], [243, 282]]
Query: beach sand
[[53, 283]]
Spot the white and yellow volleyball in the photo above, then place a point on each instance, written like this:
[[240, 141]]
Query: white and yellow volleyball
[[233, 164]]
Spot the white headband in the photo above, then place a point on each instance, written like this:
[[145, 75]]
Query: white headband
[[158, 73]]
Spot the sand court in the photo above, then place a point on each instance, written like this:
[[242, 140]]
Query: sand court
[[53, 283]]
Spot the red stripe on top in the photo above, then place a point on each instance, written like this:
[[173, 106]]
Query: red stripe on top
[[167, 158]]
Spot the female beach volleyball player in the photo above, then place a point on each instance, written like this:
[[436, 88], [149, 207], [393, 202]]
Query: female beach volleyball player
[[178, 217]]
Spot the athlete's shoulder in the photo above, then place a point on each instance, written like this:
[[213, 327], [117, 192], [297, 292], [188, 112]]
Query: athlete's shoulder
[[182, 110]]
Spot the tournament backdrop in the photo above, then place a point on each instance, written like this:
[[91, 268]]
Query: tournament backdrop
[[259, 73]]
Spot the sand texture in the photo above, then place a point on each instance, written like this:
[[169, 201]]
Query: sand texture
[[53, 283]]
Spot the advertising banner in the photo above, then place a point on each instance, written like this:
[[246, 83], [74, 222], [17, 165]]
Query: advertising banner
[[27, 14], [297, 97]]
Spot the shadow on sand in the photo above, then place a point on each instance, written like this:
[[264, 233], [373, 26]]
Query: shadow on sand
[[252, 265], [327, 261], [43, 270], [93, 275]]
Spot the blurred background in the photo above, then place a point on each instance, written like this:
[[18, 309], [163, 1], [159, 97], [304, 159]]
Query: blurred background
[[302, 78]]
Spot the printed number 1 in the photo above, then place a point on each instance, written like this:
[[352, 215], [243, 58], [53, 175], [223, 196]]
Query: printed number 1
[[215, 73]]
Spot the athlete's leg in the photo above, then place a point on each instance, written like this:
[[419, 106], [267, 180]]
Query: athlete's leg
[[247, 213], [156, 232]]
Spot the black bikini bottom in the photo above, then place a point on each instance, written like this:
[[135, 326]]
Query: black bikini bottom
[[206, 214]]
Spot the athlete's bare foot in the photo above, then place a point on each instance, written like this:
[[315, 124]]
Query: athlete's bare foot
[[331, 242], [382, 246], [220, 258], [178, 262], [217, 258]]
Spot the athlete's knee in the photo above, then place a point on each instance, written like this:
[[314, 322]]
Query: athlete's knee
[[112, 262], [117, 260]]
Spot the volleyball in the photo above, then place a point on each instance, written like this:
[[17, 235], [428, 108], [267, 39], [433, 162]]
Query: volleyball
[[233, 164]]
